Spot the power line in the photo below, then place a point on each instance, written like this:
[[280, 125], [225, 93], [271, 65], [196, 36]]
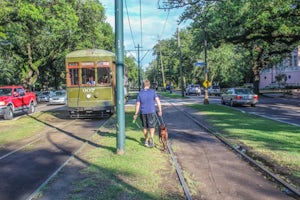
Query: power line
[[162, 31], [129, 23], [141, 23]]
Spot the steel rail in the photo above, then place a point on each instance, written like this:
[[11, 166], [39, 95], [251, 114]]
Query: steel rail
[[34, 194], [31, 142], [177, 168]]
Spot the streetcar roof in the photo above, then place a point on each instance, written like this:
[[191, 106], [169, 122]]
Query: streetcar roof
[[90, 53]]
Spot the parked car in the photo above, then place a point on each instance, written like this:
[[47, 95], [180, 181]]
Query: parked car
[[239, 96], [214, 90], [59, 97], [44, 96], [193, 89], [15, 99], [187, 88]]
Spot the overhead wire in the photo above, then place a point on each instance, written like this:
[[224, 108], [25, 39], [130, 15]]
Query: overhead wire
[[141, 26], [163, 29], [129, 23], [141, 23]]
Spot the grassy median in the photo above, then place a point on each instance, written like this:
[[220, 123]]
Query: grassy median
[[141, 173]]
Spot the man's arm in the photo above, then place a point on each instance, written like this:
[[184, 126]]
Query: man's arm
[[137, 109]]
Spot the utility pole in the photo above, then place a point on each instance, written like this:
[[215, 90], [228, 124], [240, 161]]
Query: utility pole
[[180, 64], [139, 60], [119, 44], [206, 100], [162, 67]]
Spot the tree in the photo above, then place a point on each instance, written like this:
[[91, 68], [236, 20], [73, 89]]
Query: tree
[[265, 29], [132, 69], [36, 36]]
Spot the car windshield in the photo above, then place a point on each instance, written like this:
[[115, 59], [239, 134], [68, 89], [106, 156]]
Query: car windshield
[[5, 91], [45, 93], [243, 91], [59, 93]]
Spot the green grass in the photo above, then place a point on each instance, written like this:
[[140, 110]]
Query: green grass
[[170, 95], [276, 143], [138, 174], [26, 126]]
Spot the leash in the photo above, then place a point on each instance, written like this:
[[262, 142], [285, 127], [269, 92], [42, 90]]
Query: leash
[[135, 122], [159, 119]]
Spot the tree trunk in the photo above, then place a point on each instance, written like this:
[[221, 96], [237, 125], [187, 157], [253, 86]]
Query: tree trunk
[[256, 78]]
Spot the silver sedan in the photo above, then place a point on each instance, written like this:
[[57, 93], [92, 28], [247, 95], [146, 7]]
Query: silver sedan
[[239, 96]]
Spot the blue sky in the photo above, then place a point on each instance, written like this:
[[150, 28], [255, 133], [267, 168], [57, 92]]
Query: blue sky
[[156, 23]]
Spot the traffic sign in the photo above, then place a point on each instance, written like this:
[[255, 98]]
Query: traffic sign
[[206, 83], [199, 64]]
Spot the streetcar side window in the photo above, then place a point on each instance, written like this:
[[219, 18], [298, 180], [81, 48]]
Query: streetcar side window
[[74, 79], [88, 75], [104, 75]]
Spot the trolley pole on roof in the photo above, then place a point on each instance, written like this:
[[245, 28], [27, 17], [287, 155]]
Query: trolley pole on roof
[[119, 44]]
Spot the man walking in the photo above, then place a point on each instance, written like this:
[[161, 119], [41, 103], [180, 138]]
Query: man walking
[[145, 104]]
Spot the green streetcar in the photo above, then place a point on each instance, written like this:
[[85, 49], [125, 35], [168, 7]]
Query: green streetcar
[[91, 83]]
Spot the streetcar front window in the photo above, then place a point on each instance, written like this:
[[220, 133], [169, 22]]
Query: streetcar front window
[[104, 75], [74, 79], [88, 75]]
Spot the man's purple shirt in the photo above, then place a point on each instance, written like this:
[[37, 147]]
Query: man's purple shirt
[[146, 97]]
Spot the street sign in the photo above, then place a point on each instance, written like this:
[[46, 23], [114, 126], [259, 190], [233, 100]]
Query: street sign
[[206, 83], [199, 64]]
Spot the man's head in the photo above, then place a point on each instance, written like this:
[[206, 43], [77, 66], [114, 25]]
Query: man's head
[[146, 84]]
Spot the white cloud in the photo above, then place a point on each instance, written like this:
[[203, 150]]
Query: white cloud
[[155, 23]]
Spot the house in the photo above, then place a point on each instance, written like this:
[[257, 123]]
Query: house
[[288, 69]]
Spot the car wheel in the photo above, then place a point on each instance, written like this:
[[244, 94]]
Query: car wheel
[[31, 108], [252, 105], [8, 115], [231, 103]]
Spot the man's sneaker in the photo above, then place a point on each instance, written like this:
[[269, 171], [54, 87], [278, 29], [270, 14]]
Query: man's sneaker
[[151, 144], [146, 144]]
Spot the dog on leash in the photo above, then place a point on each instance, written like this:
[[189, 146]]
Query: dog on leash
[[163, 136]]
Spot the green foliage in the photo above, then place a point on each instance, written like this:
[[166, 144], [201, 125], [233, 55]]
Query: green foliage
[[132, 69], [263, 32], [52, 29]]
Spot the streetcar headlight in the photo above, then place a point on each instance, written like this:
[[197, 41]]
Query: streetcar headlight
[[2, 103], [88, 96]]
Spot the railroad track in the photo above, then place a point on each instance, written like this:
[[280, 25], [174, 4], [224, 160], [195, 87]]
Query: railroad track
[[32, 140], [32, 165], [288, 189]]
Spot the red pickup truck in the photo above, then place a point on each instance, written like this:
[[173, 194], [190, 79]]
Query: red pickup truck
[[15, 99]]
